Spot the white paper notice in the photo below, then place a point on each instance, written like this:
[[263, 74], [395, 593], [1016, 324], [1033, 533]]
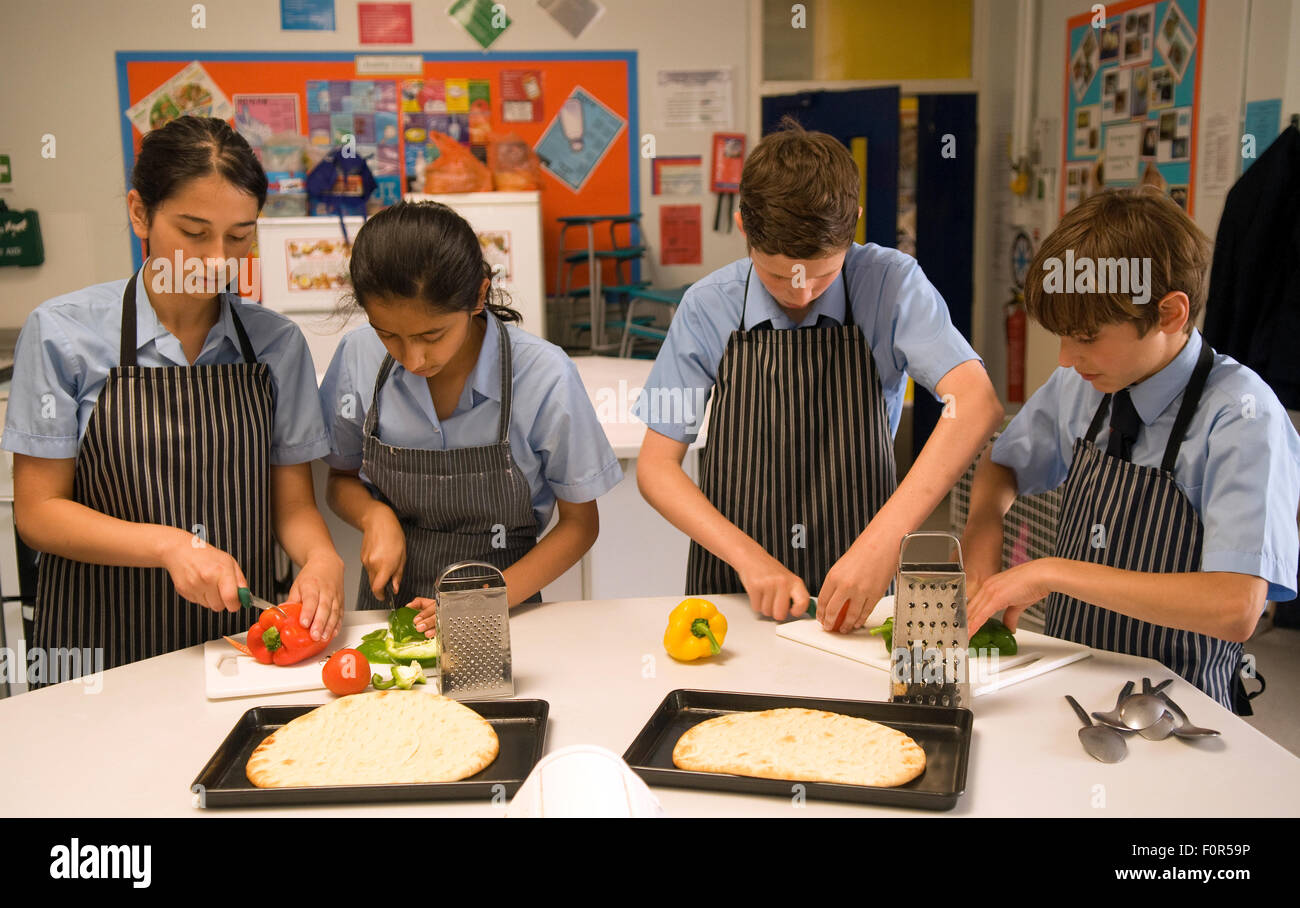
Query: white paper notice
[[695, 98], [1219, 154], [1123, 152]]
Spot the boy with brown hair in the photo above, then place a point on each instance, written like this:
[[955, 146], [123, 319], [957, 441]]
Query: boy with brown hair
[[1173, 535], [798, 490]]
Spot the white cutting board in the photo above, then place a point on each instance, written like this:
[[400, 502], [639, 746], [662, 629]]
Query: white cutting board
[[1036, 653], [228, 673]]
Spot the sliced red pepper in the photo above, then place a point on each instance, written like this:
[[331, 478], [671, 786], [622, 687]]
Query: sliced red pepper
[[278, 638]]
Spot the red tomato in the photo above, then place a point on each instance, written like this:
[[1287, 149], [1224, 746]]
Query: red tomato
[[346, 672]]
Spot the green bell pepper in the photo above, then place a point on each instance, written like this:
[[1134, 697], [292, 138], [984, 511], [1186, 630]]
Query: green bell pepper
[[995, 635], [886, 630], [400, 642]]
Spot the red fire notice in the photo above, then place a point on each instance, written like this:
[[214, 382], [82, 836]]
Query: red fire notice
[[384, 23]]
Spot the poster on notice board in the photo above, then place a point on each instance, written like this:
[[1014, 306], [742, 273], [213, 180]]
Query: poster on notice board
[[1132, 96]]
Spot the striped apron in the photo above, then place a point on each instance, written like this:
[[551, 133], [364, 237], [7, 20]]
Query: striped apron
[[800, 455], [182, 446], [1135, 518], [461, 504]]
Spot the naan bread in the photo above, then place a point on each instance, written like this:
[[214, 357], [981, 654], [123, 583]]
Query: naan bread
[[375, 738], [801, 745]]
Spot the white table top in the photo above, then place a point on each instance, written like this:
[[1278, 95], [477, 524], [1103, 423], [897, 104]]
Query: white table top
[[612, 385], [134, 747]]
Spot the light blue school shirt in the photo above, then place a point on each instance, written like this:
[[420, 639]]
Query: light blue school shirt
[[69, 344], [555, 437], [902, 316], [1239, 464]]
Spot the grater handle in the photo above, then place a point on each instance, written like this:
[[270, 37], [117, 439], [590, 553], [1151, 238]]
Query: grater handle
[[461, 565], [909, 536]]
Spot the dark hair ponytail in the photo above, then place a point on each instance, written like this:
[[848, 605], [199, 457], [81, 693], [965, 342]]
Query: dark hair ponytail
[[191, 147], [425, 251]]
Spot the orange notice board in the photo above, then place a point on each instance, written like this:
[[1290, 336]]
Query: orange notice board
[[605, 82]]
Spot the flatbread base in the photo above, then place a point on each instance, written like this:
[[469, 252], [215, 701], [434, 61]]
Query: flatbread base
[[376, 738], [801, 745]]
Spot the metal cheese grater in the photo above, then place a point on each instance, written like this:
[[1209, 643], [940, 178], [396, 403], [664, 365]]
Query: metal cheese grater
[[473, 629], [930, 630]]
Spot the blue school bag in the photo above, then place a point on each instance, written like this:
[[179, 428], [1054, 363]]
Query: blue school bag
[[340, 184]]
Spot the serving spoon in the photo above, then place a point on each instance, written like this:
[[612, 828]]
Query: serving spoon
[[1101, 742], [1186, 729]]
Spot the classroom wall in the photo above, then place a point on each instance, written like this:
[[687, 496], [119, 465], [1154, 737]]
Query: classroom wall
[[57, 66], [1251, 51]]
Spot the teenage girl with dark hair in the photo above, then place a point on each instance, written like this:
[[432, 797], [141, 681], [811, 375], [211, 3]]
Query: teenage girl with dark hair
[[453, 434], [163, 437]]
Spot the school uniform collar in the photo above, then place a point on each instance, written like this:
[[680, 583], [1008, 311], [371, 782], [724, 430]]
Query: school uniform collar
[[482, 383], [760, 307], [148, 328], [485, 378], [1154, 395]]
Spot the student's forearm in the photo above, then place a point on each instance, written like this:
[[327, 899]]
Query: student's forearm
[[1220, 604], [993, 491], [555, 553], [671, 492], [60, 526], [956, 440], [299, 527], [351, 500]]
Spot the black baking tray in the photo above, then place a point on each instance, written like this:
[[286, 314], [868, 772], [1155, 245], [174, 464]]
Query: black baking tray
[[521, 731], [942, 732]]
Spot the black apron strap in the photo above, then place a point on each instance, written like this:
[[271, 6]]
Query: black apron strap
[[372, 417], [1098, 418], [744, 299], [1191, 399], [245, 345], [848, 301], [1240, 696], [844, 280], [507, 386], [127, 357]]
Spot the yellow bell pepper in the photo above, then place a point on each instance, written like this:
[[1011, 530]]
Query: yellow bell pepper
[[695, 629]]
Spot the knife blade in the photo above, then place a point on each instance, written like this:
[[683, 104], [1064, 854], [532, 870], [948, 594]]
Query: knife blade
[[248, 600]]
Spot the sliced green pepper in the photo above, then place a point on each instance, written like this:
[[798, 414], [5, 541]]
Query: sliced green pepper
[[407, 676], [374, 647], [886, 630], [380, 683]]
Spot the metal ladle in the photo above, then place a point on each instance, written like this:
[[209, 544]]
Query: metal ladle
[[1101, 742], [1186, 729]]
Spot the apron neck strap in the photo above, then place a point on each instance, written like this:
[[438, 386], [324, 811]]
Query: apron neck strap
[[507, 383], [372, 416], [1186, 410], [127, 357], [844, 280], [1191, 399], [1098, 418], [744, 299], [507, 373]]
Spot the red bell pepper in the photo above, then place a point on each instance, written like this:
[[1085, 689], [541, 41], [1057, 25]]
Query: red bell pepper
[[279, 638]]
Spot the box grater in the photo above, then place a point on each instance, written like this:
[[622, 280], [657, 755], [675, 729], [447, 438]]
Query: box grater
[[929, 664], [473, 630]]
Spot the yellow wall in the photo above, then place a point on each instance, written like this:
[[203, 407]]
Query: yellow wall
[[887, 39]]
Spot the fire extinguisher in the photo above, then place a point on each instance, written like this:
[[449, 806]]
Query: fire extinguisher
[[1017, 325]]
